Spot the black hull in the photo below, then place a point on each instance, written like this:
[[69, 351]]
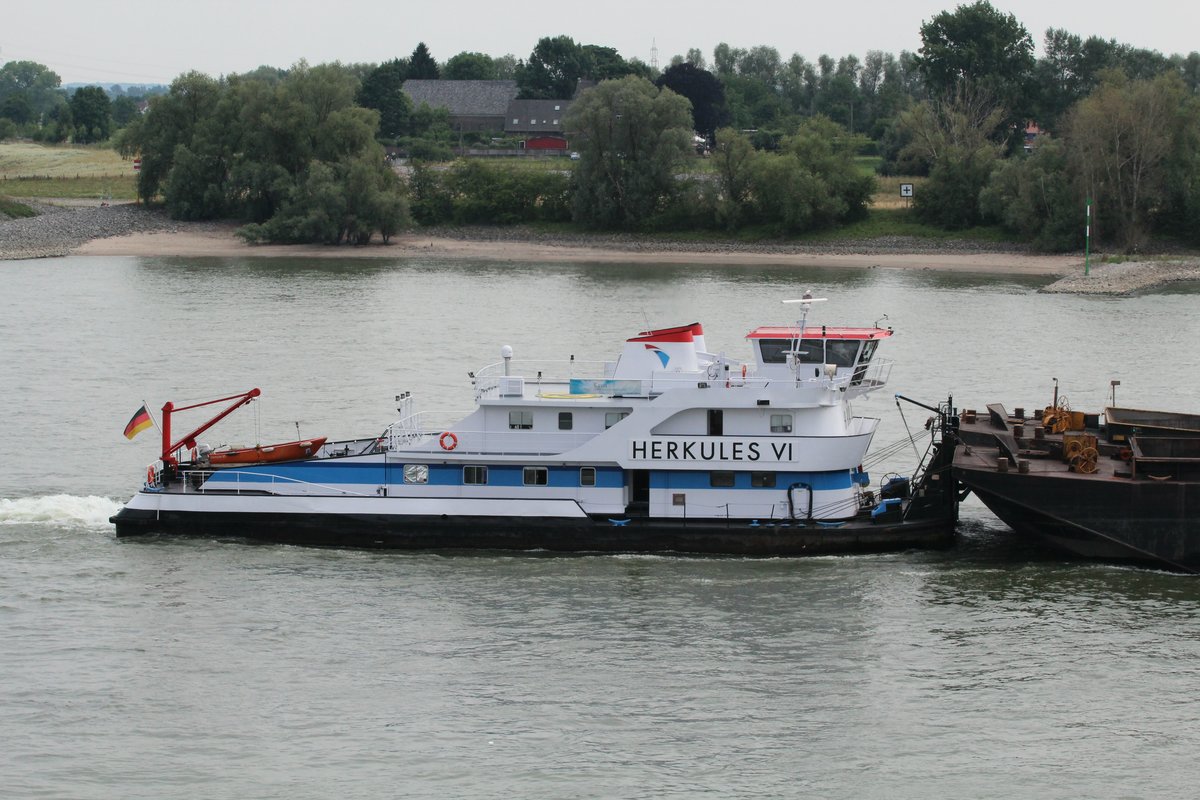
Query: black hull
[[550, 534], [1139, 522]]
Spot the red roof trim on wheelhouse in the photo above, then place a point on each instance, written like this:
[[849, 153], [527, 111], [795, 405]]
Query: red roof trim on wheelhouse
[[792, 332]]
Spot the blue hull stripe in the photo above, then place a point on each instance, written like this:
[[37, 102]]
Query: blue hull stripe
[[819, 481], [328, 473], [332, 473]]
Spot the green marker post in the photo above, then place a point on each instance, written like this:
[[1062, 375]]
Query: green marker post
[[1087, 240]]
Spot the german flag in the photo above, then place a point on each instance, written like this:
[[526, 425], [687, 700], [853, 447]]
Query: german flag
[[138, 423]]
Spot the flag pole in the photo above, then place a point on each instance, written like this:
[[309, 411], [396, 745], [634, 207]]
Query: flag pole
[[150, 414]]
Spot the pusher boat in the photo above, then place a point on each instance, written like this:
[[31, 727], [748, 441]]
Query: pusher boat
[[669, 448]]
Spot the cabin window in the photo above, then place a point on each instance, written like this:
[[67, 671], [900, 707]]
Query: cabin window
[[474, 476], [781, 423], [762, 480], [587, 476], [613, 417], [810, 351], [716, 422], [520, 420], [774, 351], [535, 476], [843, 352], [722, 480], [566, 421], [416, 473]]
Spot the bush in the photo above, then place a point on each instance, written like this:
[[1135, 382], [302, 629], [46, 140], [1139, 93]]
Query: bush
[[1031, 196], [950, 198], [474, 192]]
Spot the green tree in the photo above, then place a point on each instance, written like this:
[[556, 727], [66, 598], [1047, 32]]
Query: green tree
[[725, 60], [553, 69], [296, 159], [953, 136], [124, 109], [17, 108], [1034, 198], [984, 51], [733, 158], [36, 81], [172, 120], [91, 111], [604, 63], [1122, 138], [703, 91], [810, 183], [470, 67], [381, 90], [421, 65], [635, 138]]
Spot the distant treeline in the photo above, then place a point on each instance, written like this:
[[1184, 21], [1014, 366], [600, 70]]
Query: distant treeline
[[296, 153]]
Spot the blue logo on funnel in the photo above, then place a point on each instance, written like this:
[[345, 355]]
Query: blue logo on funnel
[[662, 356]]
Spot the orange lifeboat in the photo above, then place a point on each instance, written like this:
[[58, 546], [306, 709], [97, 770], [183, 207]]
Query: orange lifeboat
[[266, 453]]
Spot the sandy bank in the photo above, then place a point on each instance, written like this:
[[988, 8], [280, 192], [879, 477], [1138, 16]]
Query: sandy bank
[[220, 241]]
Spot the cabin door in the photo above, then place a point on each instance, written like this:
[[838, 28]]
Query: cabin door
[[638, 488], [800, 500]]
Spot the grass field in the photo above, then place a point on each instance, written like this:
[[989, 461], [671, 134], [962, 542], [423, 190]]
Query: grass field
[[75, 171], [29, 160], [116, 188]]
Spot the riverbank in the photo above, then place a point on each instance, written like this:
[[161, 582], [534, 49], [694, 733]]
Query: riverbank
[[128, 230]]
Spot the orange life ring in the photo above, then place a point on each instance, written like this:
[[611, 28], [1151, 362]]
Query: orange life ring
[[150, 477], [743, 372], [448, 441]]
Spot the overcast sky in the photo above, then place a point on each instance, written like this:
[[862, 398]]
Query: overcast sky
[[120, 41]]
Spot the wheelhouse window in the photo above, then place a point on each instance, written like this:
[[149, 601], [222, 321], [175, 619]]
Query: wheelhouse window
[[613, 417], [416, 473], [722, 480], [520, 420], [843, 352], [781, 423], [587, 476], [762, 480], [774, 351], [535, 476], [864, 360], [475, 476], [566, 420]]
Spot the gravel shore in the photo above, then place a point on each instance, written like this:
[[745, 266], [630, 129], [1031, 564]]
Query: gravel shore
[[56, 231], [1128, 277]]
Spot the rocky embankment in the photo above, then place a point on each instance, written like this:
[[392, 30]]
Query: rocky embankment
[[56, 231], [1128, 277]]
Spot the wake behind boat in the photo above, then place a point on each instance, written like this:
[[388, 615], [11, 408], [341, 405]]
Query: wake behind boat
[[669, 448]]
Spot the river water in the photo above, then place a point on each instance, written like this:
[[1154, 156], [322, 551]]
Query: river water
[[216, 669]]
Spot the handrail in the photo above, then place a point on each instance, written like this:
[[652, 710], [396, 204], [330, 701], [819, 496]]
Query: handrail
[[240, 472]]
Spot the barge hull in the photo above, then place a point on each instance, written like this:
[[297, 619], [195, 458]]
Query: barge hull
[[1103, 519], [564, 534]]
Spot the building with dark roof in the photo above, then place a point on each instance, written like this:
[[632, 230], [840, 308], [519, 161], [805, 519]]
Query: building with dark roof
[[535, 116], [473, 105]]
